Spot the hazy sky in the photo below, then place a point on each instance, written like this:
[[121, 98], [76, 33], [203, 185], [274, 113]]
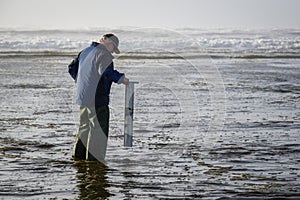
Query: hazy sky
[[150, 13]]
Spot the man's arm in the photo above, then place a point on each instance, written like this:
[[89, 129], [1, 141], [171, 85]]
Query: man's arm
[[117, 77]]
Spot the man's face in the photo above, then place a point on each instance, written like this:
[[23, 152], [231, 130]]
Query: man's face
[[109, 46]]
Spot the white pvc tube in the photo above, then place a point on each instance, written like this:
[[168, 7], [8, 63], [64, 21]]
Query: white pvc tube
[[128, 120]]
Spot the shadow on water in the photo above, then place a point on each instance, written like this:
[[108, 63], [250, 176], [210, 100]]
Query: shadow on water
[[92, 180]]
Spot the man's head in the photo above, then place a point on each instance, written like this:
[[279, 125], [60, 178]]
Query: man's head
[[111, 42]]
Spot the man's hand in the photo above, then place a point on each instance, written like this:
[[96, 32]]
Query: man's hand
[[126, 81]]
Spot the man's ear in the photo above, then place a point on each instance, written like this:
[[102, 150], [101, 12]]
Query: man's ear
[[101, 40]]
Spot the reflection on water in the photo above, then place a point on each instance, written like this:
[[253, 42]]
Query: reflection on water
[[92, 180]]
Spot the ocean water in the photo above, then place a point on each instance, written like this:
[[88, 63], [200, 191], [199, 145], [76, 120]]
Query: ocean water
[[216, 116]]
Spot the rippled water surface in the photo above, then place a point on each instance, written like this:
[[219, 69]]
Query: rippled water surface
[[178, 153]]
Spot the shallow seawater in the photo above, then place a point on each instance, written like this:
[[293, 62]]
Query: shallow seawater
[[251, 150]]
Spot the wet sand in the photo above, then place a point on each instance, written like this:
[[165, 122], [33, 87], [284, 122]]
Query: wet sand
[[177, 152]]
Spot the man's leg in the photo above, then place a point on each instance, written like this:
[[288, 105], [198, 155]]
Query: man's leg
[[103, 118], [82, 135], [97, 140]]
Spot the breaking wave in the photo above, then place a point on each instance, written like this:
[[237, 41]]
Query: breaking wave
[[157, 43]]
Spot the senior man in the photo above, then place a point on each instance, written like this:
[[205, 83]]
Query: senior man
[[95, 76]]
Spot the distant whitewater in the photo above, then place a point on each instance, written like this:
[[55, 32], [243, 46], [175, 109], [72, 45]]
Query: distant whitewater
[[151, 42]]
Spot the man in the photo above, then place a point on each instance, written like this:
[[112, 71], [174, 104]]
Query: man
[[94, 79]]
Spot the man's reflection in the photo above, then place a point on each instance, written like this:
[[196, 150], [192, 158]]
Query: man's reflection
[[92, 180]]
